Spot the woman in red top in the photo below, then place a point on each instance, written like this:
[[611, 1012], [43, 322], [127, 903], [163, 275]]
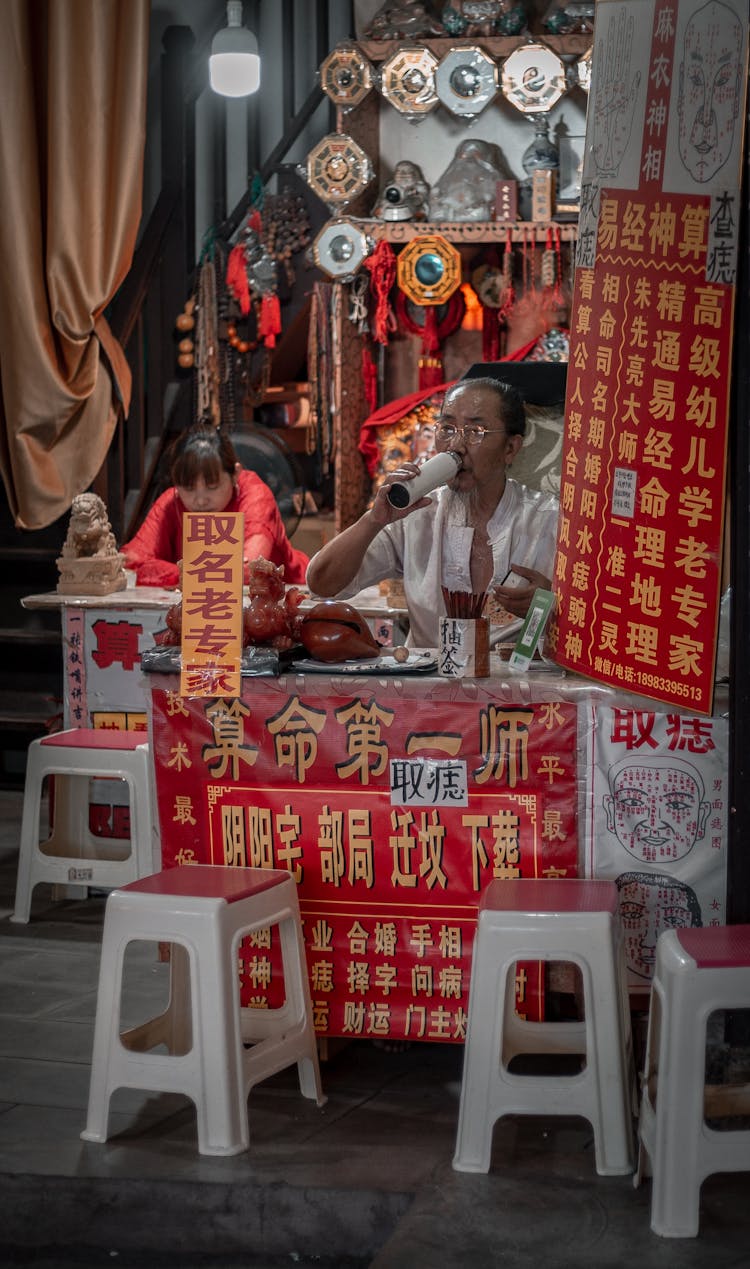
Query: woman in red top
[[207, 477]]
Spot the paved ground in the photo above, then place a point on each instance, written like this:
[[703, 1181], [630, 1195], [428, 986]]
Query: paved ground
[[364, 1181]]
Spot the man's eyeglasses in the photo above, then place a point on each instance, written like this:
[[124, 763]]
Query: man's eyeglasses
[[473, 434]]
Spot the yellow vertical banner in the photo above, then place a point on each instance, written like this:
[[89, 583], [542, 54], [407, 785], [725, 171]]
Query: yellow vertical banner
[[212, 575]]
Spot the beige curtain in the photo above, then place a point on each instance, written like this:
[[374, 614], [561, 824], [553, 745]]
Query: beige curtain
[[73, 77]]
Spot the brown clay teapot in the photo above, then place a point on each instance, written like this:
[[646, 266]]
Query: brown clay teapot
[[335, 631]]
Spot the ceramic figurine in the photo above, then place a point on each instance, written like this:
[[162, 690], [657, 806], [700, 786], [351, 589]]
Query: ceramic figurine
[[541, 155], [406, 196], [394, 21], [484, 17]]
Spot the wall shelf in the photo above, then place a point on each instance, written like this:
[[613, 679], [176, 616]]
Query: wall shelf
[[466, 231]]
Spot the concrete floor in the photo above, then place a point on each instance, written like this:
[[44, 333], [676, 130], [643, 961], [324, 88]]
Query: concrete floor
[[366, 1180]]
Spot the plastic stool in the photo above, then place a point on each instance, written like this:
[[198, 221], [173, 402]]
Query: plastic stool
[[72, 854], [697, 972], [203, 911], [552, 920]]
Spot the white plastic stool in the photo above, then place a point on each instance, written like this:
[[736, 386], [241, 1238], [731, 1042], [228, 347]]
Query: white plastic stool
[[203, 911], [72, 855], [553, 920], [697, 972]]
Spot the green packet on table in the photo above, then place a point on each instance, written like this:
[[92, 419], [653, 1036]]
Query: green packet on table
[[532, 630]]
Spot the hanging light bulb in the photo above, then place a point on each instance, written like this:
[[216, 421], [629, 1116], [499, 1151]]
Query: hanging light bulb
[[234, 64]]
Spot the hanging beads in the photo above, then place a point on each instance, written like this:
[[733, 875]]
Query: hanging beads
[[236, 341], [186, 322], [286, 229]]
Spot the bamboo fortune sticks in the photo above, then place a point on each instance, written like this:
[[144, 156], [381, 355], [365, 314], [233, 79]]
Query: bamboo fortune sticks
[[463, 604]]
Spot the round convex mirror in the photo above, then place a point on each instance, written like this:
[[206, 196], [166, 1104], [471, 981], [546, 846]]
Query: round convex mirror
[[429, 269], [465, 81]]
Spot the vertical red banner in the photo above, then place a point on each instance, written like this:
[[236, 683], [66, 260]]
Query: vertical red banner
[[638, 570]]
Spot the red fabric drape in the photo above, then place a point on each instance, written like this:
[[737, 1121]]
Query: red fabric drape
[[395, 410], [391, 413]]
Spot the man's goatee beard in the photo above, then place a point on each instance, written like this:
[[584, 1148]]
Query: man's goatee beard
[[460, 506]]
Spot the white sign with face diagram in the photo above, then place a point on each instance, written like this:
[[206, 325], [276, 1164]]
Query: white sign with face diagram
[[709, 76], [656, 822], [666, 109]]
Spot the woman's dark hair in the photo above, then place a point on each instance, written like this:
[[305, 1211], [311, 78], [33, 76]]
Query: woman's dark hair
[[509, 401], [201, 450]]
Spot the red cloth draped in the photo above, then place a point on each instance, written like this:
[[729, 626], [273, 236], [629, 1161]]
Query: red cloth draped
[[395, 410]]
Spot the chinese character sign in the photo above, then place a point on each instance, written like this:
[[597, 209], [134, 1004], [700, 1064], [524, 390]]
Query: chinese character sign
[[656, 822], [212, 604], [102, 651], [638, 568], [392, 814]]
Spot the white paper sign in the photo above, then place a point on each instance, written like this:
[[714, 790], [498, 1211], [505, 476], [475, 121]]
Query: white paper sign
[[428, 782], [656, 822]]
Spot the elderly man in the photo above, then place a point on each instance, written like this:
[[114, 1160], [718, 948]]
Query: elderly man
[[478, 533]]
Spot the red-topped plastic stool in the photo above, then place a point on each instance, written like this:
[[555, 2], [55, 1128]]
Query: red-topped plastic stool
[[568, 920], [216, 1049], [697, 972], [73, 855]]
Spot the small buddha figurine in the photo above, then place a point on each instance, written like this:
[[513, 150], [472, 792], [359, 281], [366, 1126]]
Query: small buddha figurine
[[406, 196]]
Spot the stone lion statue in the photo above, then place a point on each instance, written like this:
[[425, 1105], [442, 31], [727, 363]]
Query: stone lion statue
[[89, 531], [90, 563]]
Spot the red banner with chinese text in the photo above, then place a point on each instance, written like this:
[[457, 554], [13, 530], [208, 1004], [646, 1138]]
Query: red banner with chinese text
[[638, 571], [392, 814]]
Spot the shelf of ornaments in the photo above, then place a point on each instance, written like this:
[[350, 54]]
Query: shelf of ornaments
[[497, 47], [467, 231], [364, 124]]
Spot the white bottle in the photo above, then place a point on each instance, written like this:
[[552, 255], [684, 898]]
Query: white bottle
[[435, 472]]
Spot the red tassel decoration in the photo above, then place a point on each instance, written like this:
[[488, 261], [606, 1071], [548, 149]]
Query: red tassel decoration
[[432, 333], [381, 266], [369, 378], [430, 363], [508, 297], [269, 322], [490, 334], [552, 294], [430, 338], [237, 279]]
